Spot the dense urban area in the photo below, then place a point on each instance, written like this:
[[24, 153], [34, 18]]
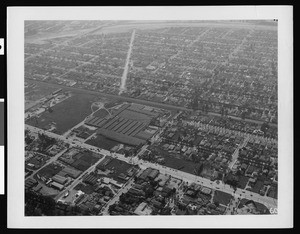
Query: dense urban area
[[151, 118]]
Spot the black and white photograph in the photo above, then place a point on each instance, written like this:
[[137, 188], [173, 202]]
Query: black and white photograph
[[157, 117]]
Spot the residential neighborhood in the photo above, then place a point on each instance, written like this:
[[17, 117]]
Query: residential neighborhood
[[151, 118]]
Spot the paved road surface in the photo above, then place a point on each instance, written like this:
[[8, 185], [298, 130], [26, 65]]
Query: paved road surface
[[77, 181], [52, 159], [267, 201], [125, 72], [116, 198], [141, 101]]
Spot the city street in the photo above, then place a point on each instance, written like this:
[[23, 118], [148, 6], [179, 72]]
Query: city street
[[140, 101], [267, 201], [124, 189]]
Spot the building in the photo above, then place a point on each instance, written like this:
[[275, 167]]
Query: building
[[90, 179], [59, 179], [37, 188], [143, 209], [68, 171], [30, 183], [145, 173], [206, 190], [116, 183], [57, 186], [152, 175]]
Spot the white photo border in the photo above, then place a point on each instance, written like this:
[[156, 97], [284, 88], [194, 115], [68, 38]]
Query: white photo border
[[15, 62]]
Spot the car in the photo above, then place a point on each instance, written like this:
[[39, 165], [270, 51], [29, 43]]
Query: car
[[66, 194]]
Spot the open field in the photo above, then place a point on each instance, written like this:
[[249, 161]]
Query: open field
[[35, 92], [38, 91], [67, 113], [120, 99]]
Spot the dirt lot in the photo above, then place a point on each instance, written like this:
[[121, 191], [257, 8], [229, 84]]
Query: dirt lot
[[222, 198], [67, 113]]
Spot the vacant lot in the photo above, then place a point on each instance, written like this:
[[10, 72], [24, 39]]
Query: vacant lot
[[118, 167], [67, 113], [180, 164], [102, 142], [37, 91], [222, 198], [50, 170], [177, 163]]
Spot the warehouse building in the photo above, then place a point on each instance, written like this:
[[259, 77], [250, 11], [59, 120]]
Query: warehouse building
[[57, 186], [60, 179]]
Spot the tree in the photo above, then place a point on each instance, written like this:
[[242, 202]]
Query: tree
[[174, 190], [166, 211], [216, 203], [149, 192], [28, 139], [154, 183]]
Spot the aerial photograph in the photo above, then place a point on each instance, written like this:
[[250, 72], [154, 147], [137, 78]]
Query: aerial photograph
[[127, 117]]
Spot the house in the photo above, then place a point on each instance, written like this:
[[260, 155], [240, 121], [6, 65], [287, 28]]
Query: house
[[171, 147], [156, 203], [30, 183], [206, 190], [165, 146], [244, 166], [143, 209], [136, 192], [37, 188], [145, 173], [177, 148], [250, 170]]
